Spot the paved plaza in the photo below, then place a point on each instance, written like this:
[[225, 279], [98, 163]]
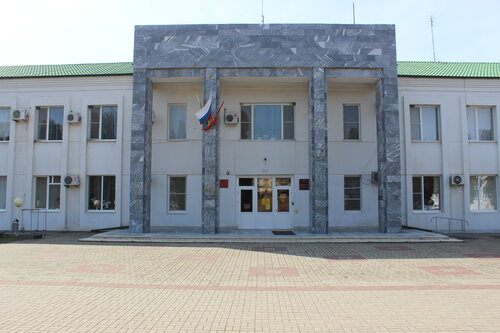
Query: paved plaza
[[58, 284]]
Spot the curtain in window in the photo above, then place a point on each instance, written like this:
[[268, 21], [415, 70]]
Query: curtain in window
[[430, 124], [41, 192], [485, 124], [108, 127], [177, 122], [3, 192], [4, 124], [108, 193], [56, 123], [267, 122], [94, 193]]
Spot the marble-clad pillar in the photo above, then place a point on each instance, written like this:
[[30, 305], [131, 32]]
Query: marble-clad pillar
[[210, 159], [318, 153], [140, 154], [389, 157]]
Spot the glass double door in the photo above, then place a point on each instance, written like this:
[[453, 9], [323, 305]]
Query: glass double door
[[265, 202]]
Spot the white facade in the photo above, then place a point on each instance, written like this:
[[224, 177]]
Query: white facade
[[23, 157]]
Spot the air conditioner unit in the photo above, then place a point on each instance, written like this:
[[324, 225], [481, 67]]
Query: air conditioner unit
[[73, 117], [456, 180], [71, 180], [20, 115], [231, 118]]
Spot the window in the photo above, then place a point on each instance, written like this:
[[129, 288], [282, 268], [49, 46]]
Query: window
[[426, 193], [480, 123], [103, 122], [351, 122], [177, 121], [3, 192], [101, 193], [177, 194], [4, 124], [50, 123], [267, 122], [352, 193], [424, 122], [483, 193], [48, 192]]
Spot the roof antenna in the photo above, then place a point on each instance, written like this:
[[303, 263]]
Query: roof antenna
[[432, 33], [353, 14], [262, 11]]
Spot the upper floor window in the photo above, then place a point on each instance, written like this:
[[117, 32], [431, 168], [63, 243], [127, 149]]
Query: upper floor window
[[177, 121], [480, 123], [48, 192], [267, 122], [101, 193], [103, 122], [50, 123], [352, 193], [3, 192], [426, 192], [351, 122], [483, 192], [4, 124], [424, 122]]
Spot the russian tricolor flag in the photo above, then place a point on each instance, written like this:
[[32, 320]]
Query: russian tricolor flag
[[204, 114]]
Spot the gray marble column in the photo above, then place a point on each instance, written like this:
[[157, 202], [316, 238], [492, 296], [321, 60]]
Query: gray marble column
[[140, 154], [210, 159], [388, 151], [318, 153]]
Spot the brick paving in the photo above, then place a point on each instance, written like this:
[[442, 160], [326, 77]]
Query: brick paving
[[58, 284]]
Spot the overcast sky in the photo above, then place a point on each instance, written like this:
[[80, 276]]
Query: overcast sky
[[83, 31]]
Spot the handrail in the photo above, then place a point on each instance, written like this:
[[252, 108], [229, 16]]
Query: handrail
[[37, 219], [435, 219]]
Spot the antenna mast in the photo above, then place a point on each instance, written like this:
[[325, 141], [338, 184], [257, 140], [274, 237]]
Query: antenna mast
[[432, 33], [353, 14], [262, 11]]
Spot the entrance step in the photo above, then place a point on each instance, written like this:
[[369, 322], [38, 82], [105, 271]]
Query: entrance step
[[266, 236]]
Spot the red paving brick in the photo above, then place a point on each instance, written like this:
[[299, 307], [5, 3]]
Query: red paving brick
[[58, 284]]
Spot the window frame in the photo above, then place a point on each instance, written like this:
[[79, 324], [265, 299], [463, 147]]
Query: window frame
[[170, 211], [47, 127], [479, 210], [426, 211], [344, 122], [9, 119], [282, 121], [438, 122], [49, 183], [351, 188], [168, 121], [102, 195], [476, 122], [5, 194], [89, 108]]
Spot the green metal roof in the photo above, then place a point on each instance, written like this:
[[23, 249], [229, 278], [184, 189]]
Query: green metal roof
[[405, 69], [449, 69], [29, 71]]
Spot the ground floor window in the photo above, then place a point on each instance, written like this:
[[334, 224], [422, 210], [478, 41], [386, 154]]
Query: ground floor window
[[101, 193], [3, 192], [177, 194], [48, 192], [483, 193], [352, 193], [426, 192]]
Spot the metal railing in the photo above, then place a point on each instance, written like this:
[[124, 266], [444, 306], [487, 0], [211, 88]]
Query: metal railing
[[463, 223], [37, 217]]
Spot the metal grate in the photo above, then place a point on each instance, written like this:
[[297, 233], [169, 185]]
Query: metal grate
[[283, 232]]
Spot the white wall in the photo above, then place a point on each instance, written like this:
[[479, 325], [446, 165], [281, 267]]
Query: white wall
[[453, 154], [22, 158]]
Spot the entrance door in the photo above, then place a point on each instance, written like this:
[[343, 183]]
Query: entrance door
[[264, 202]]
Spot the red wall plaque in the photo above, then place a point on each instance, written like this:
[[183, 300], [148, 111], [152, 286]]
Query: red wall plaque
[[223, 183], [304, 184]]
